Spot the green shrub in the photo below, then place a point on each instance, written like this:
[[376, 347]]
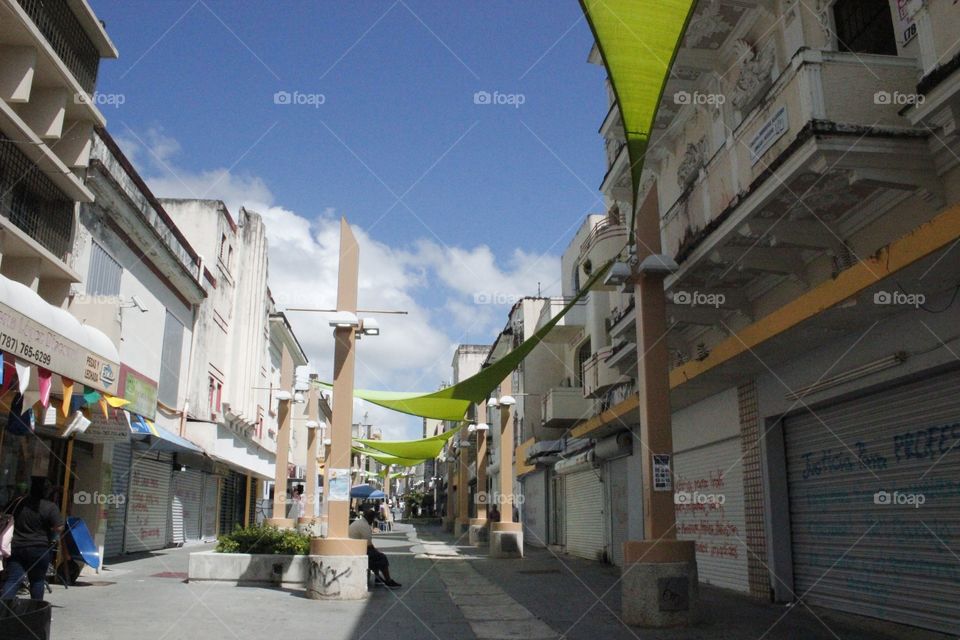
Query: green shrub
[[261, 538]]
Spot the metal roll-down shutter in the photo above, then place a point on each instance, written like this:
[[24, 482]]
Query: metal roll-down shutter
[[875, 506], [149, 504], [117, 513], [584, 513], [186, 506]]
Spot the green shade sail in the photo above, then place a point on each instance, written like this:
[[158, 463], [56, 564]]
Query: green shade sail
[[451, 403], [638, 40], [419, 450], [385, 458]]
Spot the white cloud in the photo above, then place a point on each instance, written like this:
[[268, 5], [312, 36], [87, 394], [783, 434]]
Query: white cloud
[[437, 286]]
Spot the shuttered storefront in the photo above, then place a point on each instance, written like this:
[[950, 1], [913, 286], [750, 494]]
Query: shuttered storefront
[[618, 506], [210, 507], [232, 503], [148, 507], [708, 483], [186, 505], [117, 515], [584, 513], [534, 509], [875, 503]]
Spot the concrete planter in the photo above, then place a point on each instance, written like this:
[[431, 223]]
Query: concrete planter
[[249, 569]]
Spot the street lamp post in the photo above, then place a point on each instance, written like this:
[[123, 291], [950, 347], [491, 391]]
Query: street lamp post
[[506, 536], [284, 411], [659, 557], [478, 526], [338, 564]]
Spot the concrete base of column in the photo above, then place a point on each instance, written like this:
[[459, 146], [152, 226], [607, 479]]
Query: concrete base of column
[[660, 584], [281, 523], [448, 523], [506, 540], [312, 527], [338, 569], [460, 528], [479, 532], [337, 578]]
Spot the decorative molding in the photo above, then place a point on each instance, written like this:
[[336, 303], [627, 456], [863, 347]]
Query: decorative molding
[[694, 158], [754, 78]]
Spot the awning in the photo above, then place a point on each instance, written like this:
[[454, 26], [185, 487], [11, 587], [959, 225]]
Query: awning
[[50, 337], [384, 458], [163, 440]]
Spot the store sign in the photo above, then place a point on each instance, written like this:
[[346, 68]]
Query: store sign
[[662, 476], [771, 131], [32, 342], [140, 391], [908, 26], [105, 430]]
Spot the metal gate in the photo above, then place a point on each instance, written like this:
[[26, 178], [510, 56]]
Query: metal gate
[[618, 507], [231, 502], [149, 504], [708, 486], [584, 514], [874, 503], [185, 508], [117, 513], [210, 509]]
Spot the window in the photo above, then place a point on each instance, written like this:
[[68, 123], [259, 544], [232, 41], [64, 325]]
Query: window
[[583, 355], [865, 26], [171, 352], [223, 245], [215, 394], [103, 276]]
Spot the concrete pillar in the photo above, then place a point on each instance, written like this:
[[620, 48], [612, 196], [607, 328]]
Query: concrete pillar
[[506, 536], [310, 523], [449, 518], [338, 564], [284, 411], [462, 525], [660, 585], [479, 535]]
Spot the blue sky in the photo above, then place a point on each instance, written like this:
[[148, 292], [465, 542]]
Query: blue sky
[[451, 198]]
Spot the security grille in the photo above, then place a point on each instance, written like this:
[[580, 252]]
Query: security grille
[[31, 201], [103, 278], [65, 34]]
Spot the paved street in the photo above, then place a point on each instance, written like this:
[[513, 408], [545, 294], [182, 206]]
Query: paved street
[[449, 591]]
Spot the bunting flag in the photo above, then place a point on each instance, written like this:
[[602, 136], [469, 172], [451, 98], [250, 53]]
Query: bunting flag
[[126, 414], [67, 396], [451, 403], [90, 396], [9, 372], [115, 402], [23, 374], [20, 422], [103, 406], [45, 378]]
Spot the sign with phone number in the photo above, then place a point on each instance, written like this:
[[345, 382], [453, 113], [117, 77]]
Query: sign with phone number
[[30, 341]]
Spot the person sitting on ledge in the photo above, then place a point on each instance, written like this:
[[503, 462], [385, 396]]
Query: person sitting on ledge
[[362, 529]]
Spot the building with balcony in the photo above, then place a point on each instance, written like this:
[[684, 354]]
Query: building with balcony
[[804, 164], [238, 342]]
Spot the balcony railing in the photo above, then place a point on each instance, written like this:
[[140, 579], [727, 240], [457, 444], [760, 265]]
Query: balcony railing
[[31, 202], [66, 35]]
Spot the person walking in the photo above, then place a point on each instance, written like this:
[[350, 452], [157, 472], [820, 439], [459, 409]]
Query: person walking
[[37, 525]]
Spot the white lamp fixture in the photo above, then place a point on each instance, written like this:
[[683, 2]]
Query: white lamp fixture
[[344, 320], [471, 428], [312, 424], [327, 442], [283, 395], [482, 426], [370, 327], [618, 274], [492, 402], [658, 264], [507, 401]]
